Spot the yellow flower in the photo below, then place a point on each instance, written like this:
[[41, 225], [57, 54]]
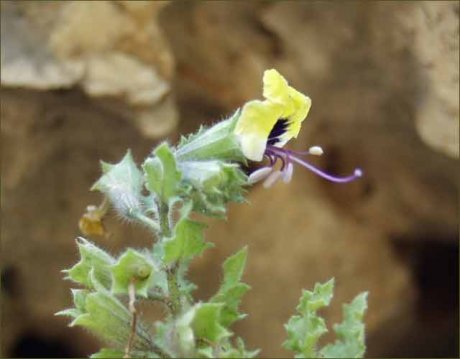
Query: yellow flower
[[273, 121], [264, 127]]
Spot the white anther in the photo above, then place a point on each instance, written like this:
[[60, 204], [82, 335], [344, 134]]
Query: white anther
[[315, 150], [287, 173], [272, 179], [259, 174]]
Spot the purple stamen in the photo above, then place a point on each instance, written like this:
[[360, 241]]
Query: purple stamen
[[287, 156], [277, 156], [271, 158]]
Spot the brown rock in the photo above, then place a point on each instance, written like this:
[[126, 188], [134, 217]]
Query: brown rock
[[104, 47], [366, 68]]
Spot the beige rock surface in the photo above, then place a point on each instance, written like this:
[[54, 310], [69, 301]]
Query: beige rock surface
[[435, 29], [73, 72], [110, 49]]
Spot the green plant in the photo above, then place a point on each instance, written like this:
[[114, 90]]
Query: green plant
[[202, 174]]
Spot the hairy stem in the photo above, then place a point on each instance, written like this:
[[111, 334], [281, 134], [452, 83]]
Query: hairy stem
[[174, 302], [150, 223], [165, 226], [132, 309]]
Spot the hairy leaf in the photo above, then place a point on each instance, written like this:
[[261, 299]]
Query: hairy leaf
[[108, 318], [206, 322], [186, 243], [212, 184], [305, 329], [232, 289], [122, 184], [91, 258], [132, 266], [350, 333], [161, 173]]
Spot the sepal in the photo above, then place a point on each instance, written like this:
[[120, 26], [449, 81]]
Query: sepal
[[216, 142]]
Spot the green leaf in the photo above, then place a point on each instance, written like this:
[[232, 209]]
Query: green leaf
[[92, 257], [79, 298], [305, 329], [69, 312], [106, 353], [175, 336], [237, 351], [232, 290], [212, 184], [108, 318], [122, 184], [185, 335], [206, 322], [234, 268], [132, 266], [186, 243], [161, 173], [216, 142], [350, 333], [206, 352]]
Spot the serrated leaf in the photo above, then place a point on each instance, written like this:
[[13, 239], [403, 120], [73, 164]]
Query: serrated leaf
[[350, 333], [206, 352], [237, 351], [122, 184], [91, 257], [70, 312], [175, 337], [231, 298], [108, 318], [161, 173], [212, 184], [106, 353], [79, 298], [232, 290], [186, 243], [132, 266], [304, 330], [206, 322], [186, 337], [234, 268]]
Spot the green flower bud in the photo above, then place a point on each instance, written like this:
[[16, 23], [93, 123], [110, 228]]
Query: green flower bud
[[217, 142]]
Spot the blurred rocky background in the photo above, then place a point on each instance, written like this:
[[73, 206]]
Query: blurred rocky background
[[83, 81]]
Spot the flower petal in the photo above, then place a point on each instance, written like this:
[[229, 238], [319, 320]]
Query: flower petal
[[259, 174], [254, 125], [275, 87], [301, 105], [295, 105], [272, 179], [258, 118]]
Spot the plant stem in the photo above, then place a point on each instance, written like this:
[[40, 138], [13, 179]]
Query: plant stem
[[147, 221], [174, 302], [164, 220], [132, 334], [132, 309], [174, 294]]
